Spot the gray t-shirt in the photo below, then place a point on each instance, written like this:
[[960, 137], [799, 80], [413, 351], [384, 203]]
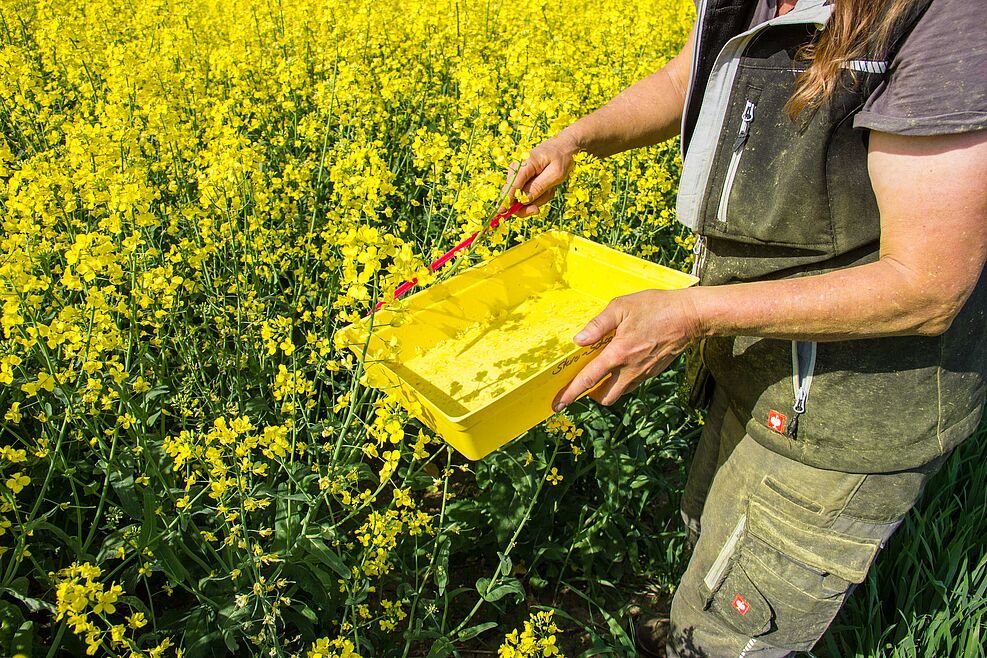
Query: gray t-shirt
[[937, 82]]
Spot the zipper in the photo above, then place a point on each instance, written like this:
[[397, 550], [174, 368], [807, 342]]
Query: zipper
[[719, 566], [738, 149], [803, 367], [746, 650], [698, 256]]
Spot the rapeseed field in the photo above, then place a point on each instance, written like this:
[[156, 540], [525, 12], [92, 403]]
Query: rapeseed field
[[196, 195]]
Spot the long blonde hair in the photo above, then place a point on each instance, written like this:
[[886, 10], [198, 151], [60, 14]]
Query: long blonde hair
[[857, 29]]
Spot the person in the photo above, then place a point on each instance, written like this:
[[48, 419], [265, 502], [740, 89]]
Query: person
[[834, 165]]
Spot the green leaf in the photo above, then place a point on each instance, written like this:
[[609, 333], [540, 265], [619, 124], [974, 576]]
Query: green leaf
[[33, 604], [111, 543], [286, 526], [121, 476], [318, 549], [230, 640], [11, 618], [23, 642], [473, 631], [173, 566], [360, 595], [505, 564], [302, 618], [442, 545], [313, 581], [156, 392], [441, 648], [149, 522], [70, 542], [499, 591]]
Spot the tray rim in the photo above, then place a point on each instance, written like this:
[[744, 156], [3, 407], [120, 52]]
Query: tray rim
[[565, 239]]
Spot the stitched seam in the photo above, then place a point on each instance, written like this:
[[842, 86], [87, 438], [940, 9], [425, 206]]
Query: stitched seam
[[972, 114], [846, 501], [873, 522], [721, 155], [748, 239], [793, 497], [939, 399], [747, 63], [753, 557]]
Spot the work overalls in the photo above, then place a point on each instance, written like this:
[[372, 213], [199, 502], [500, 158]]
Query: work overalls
[[812, 452]]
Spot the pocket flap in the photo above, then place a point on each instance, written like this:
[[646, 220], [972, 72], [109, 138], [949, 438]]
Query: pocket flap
[[741, 605], [821, 548]]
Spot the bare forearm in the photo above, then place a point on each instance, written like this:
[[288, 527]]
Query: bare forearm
[[926, 272], [869, 301], [646, 113]]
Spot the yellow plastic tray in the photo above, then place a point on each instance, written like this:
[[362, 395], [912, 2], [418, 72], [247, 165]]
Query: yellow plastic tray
[[480, 357]]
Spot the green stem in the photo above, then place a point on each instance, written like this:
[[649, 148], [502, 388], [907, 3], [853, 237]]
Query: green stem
[[358, 373], [431, 564], [102, 496], [56, 643], [510, 544]]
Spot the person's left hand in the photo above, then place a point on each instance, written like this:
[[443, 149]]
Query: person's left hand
[[650, 329]]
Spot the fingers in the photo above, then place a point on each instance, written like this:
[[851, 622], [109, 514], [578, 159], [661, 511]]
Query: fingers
[[605, 389], [587, 378], [616, 385], [605, 363], [534, 207], [601, 325], [545, 169], [637, 347], [547, 180], [518, 175]]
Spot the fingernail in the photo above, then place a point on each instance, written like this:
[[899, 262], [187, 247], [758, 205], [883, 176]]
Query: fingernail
[[581, 336], [557, 407]]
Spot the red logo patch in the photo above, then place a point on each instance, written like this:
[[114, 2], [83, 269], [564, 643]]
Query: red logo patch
[[776, 421], [741, 605]]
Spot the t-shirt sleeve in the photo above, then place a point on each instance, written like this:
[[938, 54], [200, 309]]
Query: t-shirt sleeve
[[937, 82]]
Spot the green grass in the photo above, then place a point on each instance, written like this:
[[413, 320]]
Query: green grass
[[927, 593]]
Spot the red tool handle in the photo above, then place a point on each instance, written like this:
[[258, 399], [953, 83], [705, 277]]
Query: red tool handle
[[449, 255]]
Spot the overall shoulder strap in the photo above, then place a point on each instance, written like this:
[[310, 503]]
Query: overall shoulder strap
[[718, 21], [709, 93]]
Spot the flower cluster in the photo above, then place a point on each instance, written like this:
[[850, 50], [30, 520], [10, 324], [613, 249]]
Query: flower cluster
[[334, 648], [563, 426], [537, 638], [90, 608]]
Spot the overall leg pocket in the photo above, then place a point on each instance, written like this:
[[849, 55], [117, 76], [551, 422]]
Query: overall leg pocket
[[788, 573]]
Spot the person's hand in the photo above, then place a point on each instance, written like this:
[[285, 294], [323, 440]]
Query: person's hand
[[547, 167], [650, 329]]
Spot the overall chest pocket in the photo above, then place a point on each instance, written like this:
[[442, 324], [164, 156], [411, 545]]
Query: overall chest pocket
[[772, 178]]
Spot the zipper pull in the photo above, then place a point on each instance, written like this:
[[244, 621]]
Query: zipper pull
[[697, 255], [798, 409], [745, 125]]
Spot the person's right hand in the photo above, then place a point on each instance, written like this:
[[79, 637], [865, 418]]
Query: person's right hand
[[548, 166]]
